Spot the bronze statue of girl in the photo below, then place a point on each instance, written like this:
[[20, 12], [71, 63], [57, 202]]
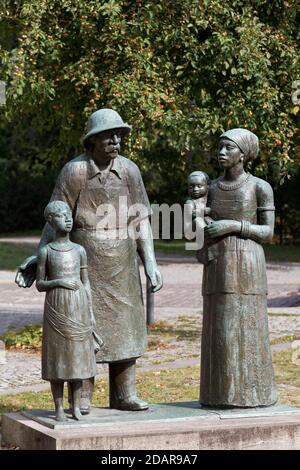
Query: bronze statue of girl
[[68, 348]]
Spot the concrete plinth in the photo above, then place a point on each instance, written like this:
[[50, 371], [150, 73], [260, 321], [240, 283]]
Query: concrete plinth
[[178, 426]]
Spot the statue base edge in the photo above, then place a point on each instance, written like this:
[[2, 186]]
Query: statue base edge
[[180, 426]]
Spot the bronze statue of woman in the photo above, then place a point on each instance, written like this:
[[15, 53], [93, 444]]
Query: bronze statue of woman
[[236, 362]]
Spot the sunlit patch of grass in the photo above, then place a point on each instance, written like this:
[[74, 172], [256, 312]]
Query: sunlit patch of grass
[[283, 339], [284, 314], [161, 327], [186, 328], [26, 401], [285, 370], [156, 343], [165, 385]]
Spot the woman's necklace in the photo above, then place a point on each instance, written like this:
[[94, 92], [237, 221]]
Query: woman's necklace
[[235, 185]]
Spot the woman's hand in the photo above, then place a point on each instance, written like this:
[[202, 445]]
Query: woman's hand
[[220, 228]]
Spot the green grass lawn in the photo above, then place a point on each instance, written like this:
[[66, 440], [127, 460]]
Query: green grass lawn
[[280, 253], [166, 386], [12, 255], [25, 233]]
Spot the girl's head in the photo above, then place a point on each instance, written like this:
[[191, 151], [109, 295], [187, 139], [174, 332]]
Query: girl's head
[[59, 215], [198, 182]]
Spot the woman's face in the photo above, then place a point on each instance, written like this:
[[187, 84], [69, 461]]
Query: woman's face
[[229, 154]]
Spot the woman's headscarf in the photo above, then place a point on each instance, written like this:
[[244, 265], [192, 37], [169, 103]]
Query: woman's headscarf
[[246, 141]]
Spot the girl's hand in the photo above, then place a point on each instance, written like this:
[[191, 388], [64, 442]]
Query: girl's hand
[[69, 284], [220, 228]]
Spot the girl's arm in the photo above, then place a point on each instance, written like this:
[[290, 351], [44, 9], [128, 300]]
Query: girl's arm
[[86, 283], [41, 283]]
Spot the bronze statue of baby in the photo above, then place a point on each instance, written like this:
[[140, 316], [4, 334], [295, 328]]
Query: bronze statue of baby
[[196, 211]]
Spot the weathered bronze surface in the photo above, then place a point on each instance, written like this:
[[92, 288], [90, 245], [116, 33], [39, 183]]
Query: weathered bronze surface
[[236, 363], [198, 182], [195, 211], [68, 341], [87, 183]]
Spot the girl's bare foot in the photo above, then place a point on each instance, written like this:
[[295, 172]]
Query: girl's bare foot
[[76, 413], [60, 415]]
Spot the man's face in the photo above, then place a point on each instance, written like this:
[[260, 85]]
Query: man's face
[[107, 144]]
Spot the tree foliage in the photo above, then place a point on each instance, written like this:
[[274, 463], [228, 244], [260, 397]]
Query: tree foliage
[[179, 71]]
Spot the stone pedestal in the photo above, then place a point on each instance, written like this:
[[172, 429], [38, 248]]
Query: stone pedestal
[[177, 426]]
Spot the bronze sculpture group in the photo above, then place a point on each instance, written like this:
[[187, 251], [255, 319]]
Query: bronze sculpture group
[[237, 214]]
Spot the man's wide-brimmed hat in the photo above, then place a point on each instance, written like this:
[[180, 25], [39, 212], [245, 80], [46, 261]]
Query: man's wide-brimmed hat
[[104, 120]]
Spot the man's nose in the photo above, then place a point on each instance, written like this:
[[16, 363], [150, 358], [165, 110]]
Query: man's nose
[[115, 139]]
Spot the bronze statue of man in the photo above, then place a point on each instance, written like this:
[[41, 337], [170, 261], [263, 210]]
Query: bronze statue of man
[[99, 178]]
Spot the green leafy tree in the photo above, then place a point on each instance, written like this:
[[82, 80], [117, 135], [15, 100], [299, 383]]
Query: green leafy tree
[[180, 71]]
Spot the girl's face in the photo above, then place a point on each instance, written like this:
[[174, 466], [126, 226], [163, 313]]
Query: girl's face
[[229, 154], [62, 220], [197, 186]]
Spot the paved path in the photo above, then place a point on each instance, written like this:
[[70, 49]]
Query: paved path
[[181, 296]]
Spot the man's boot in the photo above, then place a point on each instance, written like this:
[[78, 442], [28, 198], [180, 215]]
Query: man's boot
[[87, 395], [122, 387]]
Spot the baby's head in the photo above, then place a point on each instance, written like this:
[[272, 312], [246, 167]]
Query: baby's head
[[198, 182], [59, 215]]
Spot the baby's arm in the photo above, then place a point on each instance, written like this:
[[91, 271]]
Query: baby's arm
[[86, 283]]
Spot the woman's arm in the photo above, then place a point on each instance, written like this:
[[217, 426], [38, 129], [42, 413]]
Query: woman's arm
[[264, 229], [260, 232]]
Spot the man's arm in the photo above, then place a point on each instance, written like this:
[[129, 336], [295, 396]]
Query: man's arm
[[66, 189], [145, 249]]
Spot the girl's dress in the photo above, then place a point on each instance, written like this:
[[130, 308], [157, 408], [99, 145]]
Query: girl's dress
[[67, 348]]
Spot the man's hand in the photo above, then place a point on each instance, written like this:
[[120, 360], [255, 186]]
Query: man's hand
[[155, 277], [26, 273]]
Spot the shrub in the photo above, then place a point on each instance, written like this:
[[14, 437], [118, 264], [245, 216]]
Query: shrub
[[28, 337]]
